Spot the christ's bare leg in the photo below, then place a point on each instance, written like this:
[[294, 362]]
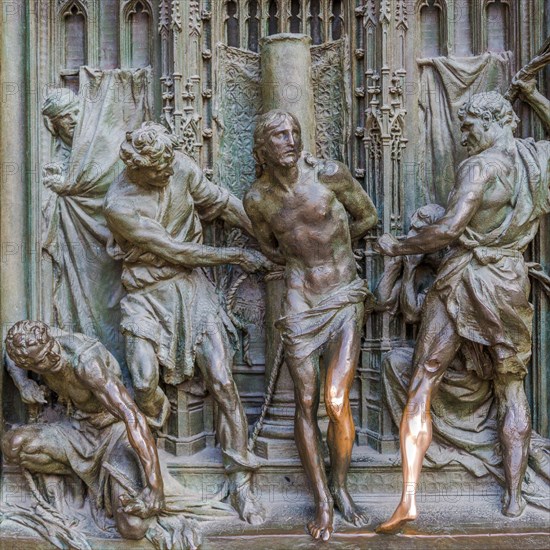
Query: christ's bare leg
[[341, 358], [436, 346], [305, 375]]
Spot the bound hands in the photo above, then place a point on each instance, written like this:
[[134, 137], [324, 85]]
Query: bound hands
[[252, 260]]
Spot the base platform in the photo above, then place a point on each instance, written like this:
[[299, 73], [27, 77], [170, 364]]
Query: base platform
[[456, 510]]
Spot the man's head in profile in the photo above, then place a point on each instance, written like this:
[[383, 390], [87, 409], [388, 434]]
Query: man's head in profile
[[277, 140], [484, 119], [61, 110]]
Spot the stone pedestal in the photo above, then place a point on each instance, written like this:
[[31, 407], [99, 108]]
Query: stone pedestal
[[189, 427]]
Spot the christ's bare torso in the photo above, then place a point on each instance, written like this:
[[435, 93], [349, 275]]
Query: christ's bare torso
[[312, 230]]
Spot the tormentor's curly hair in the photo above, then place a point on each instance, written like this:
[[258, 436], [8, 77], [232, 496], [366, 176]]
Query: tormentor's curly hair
[[150, 146], [492, 104], [24, 335]]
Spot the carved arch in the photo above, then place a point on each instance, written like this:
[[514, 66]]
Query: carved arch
[[443, 34], [231, 23], [508, 17], [73, 24], [129, 9], [65, 6], [253, 17]]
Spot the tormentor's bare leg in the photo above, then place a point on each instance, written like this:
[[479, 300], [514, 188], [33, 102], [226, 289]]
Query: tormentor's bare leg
[[341, 359], [36, 448], [305, 375], [514, 422], [214, 361], [144, 368], [436, 347]]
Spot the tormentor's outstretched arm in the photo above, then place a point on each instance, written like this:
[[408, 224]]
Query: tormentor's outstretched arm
[[464, 202], [150, 236]]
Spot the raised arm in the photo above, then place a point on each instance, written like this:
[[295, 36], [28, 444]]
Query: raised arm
[[539, 103], [112, 394], [354, 198], [463, 204]]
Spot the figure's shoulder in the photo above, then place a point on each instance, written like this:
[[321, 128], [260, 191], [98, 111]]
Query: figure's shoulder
[[257, 192], [92, 360], [76, 348], [484, 163], [121, 188], [543, 149], [333, 172], [185, 166]]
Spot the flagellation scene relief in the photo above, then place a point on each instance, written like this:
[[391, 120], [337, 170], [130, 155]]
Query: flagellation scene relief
[[275, 274]]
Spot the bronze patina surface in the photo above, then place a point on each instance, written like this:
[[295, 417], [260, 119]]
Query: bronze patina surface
[[264, 262]]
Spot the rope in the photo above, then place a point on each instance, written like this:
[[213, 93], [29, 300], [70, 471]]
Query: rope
[[279, 355], [277, 364], [236, 321]]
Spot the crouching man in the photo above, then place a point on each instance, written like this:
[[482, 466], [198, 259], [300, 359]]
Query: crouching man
[[105, 434]]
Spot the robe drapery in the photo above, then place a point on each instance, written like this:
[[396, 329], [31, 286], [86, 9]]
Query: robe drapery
[[445, 84], [87, 287]]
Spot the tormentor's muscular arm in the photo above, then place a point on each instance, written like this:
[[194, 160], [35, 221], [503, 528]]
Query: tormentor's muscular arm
[[337, 177], [112, 395], [464, 202], [149, 235]]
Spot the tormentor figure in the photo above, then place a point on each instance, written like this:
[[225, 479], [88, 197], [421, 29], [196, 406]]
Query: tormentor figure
[[301, 209], [171, 316], [105, 426], [480, 297]]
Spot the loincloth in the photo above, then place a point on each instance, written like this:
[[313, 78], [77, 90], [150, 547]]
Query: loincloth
[[306, 332]]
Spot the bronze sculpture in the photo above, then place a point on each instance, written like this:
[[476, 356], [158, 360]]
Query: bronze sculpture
[[105, 430], [88, 128], [480, 296], [171, 316], [299, 207], [464, 409], [375, 85]]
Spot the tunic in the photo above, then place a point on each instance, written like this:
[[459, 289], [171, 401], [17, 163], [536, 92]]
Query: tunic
[[171, 305]]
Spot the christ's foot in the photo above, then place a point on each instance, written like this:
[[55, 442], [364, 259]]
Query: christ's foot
[[321, 527], [513, 506], [403, 514], [349, 510]]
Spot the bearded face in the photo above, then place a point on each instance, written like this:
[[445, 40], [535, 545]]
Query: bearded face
[[283, 145]]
